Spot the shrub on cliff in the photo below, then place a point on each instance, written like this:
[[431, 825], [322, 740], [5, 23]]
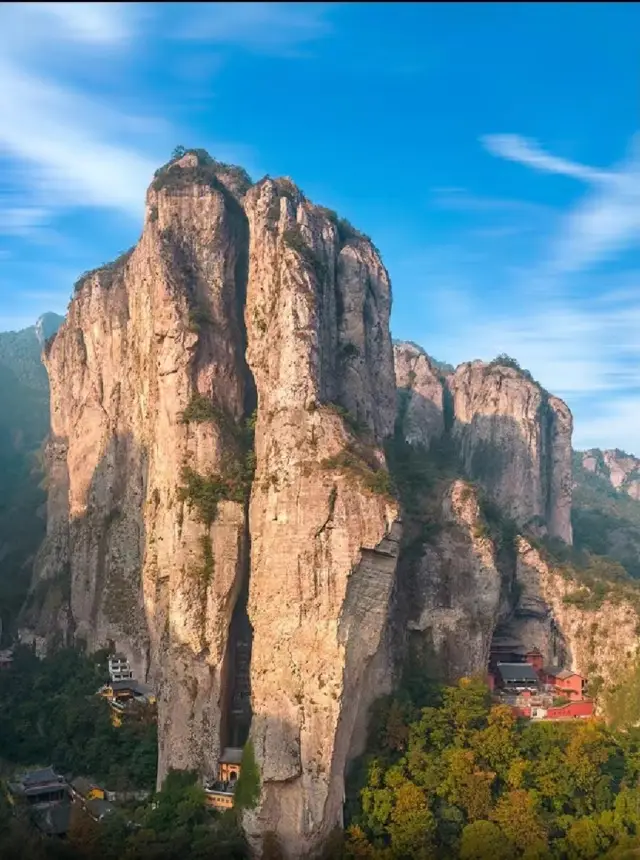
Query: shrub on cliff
[[504, 360], [247, 792], [352, 462], [205, 492], [199, 410]]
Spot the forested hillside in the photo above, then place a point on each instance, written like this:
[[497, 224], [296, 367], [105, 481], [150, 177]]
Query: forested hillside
[[24, 422]]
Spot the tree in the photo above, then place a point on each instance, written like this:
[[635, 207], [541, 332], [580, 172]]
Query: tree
[[483, 840], [178, 152], [466, 785], [85, 834], [496, 744], [517, 815], [585, 840], [247, 792], [412, 823]]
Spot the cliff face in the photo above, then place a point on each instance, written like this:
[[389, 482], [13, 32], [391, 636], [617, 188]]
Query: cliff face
[[234, 297], [142, 339], [455, 588], [222, 398], [515, 440], [606, 506], [621, 470], [323, 544], [482, 443], [590, 630], [424, 409]]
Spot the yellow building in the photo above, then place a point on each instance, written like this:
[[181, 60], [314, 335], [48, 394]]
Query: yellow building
[[83, 789], [229, 765], [219, 799], [219, 794]]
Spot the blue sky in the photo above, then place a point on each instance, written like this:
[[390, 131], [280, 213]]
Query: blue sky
[[490, 150]]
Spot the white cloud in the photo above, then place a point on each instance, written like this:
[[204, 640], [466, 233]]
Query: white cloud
[[64, 147], [65, 138], [516, 148], [20, 220], [91, 23], [261, 27], [605, 221]]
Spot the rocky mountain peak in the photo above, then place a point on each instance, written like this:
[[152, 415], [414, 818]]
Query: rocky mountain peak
[[220, 395]]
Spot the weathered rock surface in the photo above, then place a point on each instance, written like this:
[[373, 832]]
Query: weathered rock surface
[[423, 410], [456, 590], [123, 548], [515, 440], [323, 546], [149, 375]]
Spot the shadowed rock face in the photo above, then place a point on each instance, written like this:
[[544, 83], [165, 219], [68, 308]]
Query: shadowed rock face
[[515, 440], [234, 295], [457, 589], [423, 418]]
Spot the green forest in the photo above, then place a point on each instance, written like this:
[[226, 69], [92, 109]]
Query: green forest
[[24, 423], [50, 715], [447, 774], [462, 778]]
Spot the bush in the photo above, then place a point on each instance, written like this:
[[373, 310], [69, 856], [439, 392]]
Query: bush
[[504, 360], [199, 410], [205, 492], [374, 478], [199, 316], [207, 172]]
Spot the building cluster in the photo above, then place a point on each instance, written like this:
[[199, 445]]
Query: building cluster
[[126, 696], [219, 792], [48, 799], [540, 692]]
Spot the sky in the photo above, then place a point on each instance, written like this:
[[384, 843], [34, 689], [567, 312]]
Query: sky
[[490, 150]]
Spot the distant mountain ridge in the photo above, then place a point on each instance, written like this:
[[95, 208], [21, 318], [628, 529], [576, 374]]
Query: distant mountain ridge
[[24, 424], [606, 505]]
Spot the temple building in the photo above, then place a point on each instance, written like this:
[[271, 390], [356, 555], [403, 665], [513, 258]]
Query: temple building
[[219, 792], [38, 788], [119, 668]]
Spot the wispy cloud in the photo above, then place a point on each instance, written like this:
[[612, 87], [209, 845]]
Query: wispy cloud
[[260, 27], [459, 199], [605, 221], [74, 148], [586, 351], [92, 23], [516, 148], [66, 146]]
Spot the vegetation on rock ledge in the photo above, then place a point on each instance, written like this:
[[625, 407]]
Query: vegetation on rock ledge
[[106, 273], [207, 172]]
